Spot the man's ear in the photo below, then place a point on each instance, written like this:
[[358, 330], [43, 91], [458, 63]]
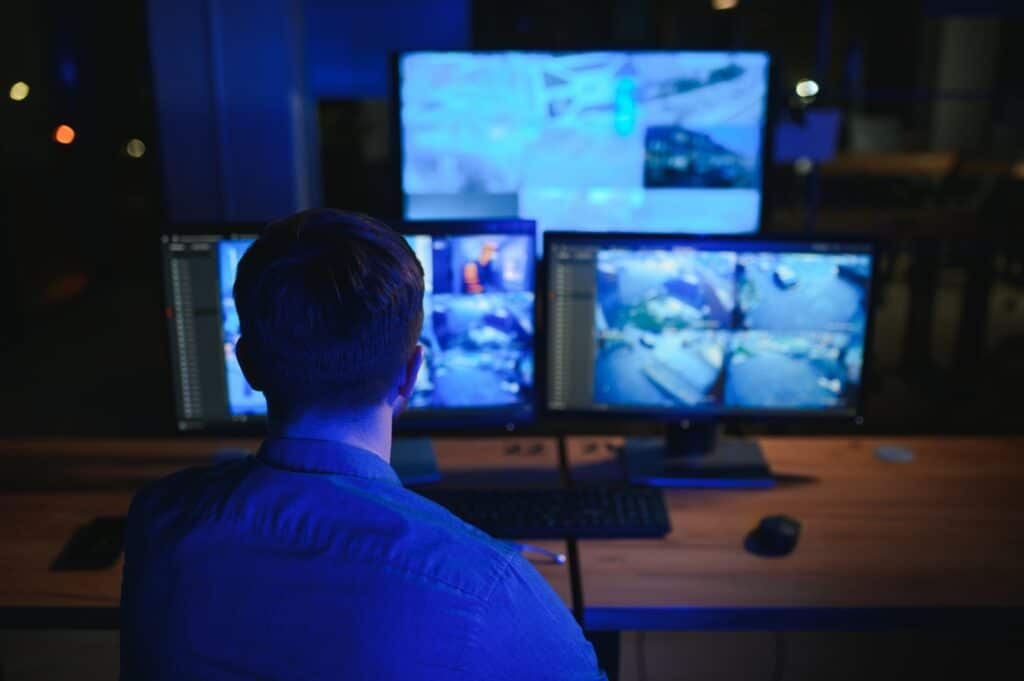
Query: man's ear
[[246, 362], [410, 373]]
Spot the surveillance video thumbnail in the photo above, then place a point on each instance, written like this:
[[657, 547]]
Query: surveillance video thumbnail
[[678, 157], [799, 370], [478, 322], [686, 328], [656, 289], [802, 291]]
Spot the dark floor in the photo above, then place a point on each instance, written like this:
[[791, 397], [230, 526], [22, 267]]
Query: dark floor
[[645, 656]]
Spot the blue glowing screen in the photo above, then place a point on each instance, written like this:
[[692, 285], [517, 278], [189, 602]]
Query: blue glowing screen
[[477, 327], [242, 399], [477, 321], [648, 141], [727, 328]]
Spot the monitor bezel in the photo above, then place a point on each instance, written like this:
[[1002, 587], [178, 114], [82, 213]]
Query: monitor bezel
[[854, 416], [767, 127], [414, 422]]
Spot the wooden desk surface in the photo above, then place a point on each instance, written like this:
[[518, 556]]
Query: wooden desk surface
[[881, 543], [892, 540], [48, 487]]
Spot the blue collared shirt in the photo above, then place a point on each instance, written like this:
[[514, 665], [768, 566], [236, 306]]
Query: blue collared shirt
[[311, 561]]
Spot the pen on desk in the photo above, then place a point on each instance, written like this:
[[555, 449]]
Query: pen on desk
[[557, 558]]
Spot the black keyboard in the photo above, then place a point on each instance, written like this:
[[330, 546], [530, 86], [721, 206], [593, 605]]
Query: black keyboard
[[585, 512]]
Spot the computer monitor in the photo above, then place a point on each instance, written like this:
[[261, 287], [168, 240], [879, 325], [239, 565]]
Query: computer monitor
[[692, 330], [658, 141], [478, 330]]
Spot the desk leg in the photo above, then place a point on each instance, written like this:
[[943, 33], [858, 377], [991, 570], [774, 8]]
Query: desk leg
[[606, 645]]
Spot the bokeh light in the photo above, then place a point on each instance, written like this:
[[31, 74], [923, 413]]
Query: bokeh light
[[806, 88], [803, 166], [19, 91], [64, 134], [135, 147]]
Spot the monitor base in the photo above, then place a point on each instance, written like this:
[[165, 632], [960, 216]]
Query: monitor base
[[717, 463], [414, 461]]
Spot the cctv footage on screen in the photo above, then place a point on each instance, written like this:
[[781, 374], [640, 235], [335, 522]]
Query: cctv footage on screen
[[477, 324], [723, 328], [656, 142]]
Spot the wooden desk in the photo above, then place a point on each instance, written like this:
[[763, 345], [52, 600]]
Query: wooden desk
[[48, 487], [935, 542]]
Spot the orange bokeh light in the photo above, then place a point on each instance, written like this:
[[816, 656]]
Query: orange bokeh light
[[64, 134]]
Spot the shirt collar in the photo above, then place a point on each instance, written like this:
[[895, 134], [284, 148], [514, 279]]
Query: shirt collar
[[325, 457]]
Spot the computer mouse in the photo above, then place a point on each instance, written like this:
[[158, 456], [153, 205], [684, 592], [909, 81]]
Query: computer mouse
[[775, 535]]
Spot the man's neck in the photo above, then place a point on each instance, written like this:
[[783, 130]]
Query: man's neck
[[368, 429]]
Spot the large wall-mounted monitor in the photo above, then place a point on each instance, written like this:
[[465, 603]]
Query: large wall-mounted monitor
[[669, 327], [478, 329], [642, 141]]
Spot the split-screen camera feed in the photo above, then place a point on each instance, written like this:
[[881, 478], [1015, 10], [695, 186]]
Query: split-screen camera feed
[[477, 323], [628, 141], [691, 329]]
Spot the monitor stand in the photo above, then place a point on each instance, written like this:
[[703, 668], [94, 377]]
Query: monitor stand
[[414, 461], [692, 454]]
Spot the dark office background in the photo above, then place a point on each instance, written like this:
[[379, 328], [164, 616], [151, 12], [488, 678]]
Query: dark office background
[[930, 161]]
